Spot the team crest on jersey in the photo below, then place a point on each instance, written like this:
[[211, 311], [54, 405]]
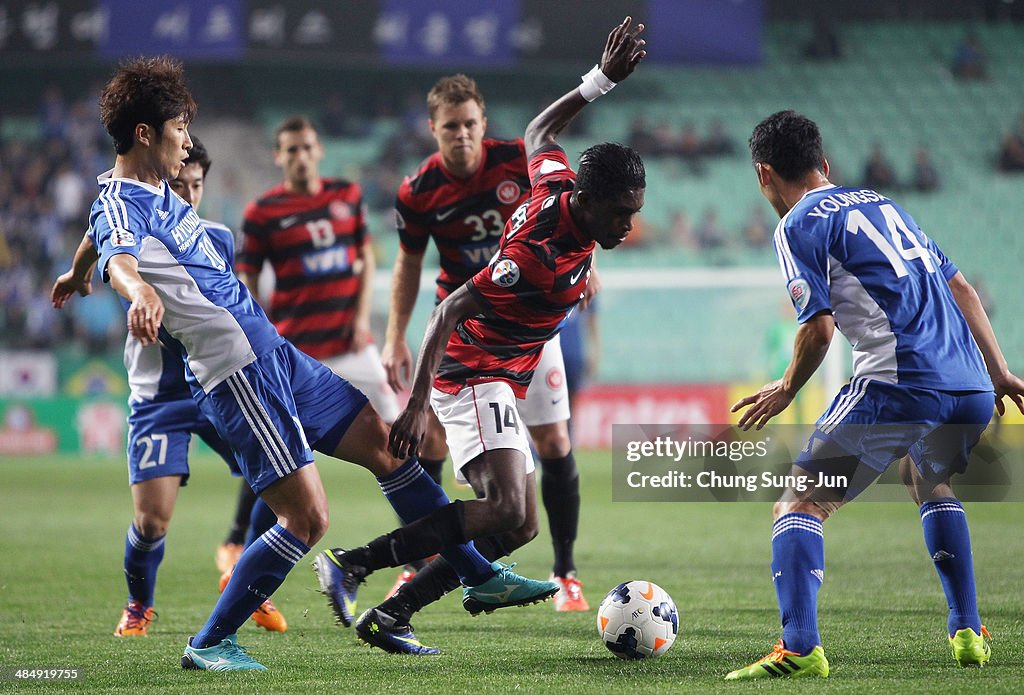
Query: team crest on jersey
[[505, 273], [554, 378], [507, 191], [122, 237], [339, 210], [800, 293]]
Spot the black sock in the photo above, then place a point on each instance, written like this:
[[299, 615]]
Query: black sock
[[432, 582], [243, 510], [434, 468], [422, 538], [560, 490]]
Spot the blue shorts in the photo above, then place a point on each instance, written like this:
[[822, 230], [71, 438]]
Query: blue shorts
[[159, 433], [272, 409], [873, 424]]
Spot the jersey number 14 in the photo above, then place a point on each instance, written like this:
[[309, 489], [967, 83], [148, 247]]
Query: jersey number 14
[[895, 252]]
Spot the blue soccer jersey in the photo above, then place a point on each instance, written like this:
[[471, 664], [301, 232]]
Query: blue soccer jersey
[[855, 253], [207, 310], [157, 372], [163, 414]]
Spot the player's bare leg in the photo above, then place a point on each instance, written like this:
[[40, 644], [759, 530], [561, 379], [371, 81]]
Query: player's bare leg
[[500, 479], [435, 525], [365, 443], [154, 501], [388, 625]]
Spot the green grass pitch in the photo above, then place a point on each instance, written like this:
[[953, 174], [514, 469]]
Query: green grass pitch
[[882, 610]]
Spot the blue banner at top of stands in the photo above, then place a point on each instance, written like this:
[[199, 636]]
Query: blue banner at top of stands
[[705, 31], [185, 28], [448, 31]]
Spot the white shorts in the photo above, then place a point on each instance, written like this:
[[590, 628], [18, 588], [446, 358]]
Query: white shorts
[[481, 417], [547, 399], [364, 370]]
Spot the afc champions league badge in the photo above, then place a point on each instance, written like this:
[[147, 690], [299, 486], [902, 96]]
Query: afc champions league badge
[[507, 191], [505, 273], [800, 293]]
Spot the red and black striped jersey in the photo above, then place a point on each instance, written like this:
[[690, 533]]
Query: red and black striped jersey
[[465, 217], [538, 275], [313, 243]]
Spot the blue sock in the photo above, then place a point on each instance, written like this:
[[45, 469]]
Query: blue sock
[[798, 568], [261, 519], [413, 494], [260, 570], [142, 557], [949, 543]]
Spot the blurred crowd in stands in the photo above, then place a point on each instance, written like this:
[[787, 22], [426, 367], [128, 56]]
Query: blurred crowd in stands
[[46, 186], [1011, 151], [880, 175], [47, 183], [660, 140]]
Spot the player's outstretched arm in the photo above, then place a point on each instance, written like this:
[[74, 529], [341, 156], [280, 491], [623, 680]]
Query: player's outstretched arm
[[407, 432], [146, 310], [79, 277], [623, 51], [1005, 382], [809, 349]]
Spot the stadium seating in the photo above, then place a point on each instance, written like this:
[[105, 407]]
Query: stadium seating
[[893, 87]]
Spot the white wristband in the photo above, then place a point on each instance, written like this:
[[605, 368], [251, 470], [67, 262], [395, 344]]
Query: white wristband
[[595, 83]]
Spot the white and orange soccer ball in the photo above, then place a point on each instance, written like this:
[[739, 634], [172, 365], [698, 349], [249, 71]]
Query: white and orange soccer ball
[[637, 620]]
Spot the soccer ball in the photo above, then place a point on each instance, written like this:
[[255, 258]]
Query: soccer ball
[[637, 620]]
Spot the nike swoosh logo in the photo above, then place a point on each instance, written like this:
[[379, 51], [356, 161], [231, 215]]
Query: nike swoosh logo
[[574, 278], [649, 594], [350, 605], [289, 221], [442, 216], [408, 641]]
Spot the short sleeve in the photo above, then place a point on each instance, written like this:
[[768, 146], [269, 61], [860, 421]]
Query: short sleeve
[[413, 234], [803, 258], [946, 266], [361, 233], [116, 228], [255, 242], [549, 165]]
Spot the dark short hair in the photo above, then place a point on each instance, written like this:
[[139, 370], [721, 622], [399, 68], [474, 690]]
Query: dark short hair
[[197, 154], [609, 169], [292, 124], [144, 90], [452, 91], [789, 142]]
